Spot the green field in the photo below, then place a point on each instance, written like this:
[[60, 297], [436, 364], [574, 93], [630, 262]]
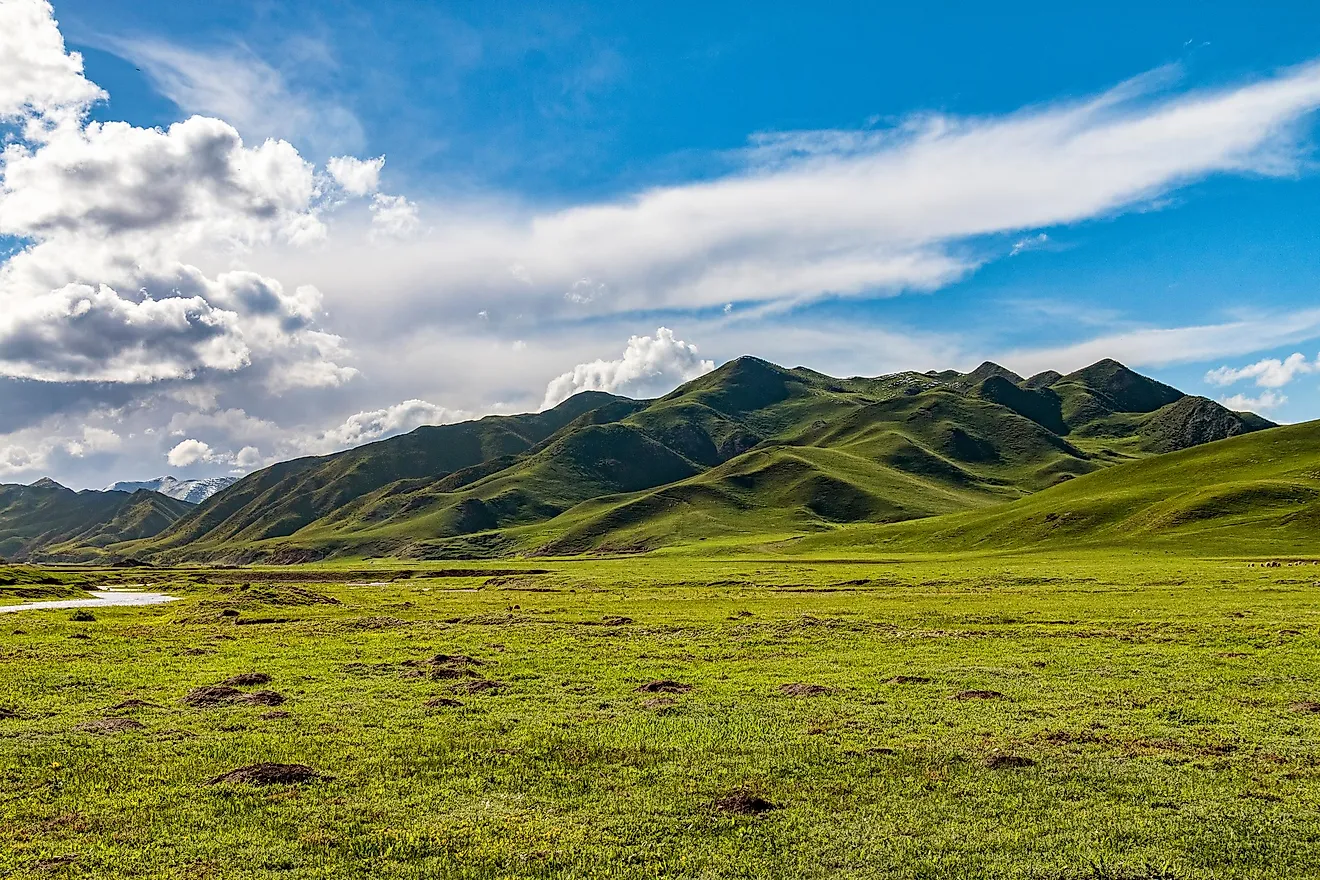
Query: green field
[[1157, 717]]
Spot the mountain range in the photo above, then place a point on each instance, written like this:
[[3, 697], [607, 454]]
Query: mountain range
[[749, 452], [192, 491]]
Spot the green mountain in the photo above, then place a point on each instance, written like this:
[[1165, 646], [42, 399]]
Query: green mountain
[[46, 521], [749, 449], [1257, 494]]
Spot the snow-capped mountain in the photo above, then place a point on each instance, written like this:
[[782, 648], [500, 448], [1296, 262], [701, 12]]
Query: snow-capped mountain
[[192, 491]]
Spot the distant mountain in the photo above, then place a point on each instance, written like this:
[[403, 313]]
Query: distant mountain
[[192, 491], [751, 449], [51, 522]]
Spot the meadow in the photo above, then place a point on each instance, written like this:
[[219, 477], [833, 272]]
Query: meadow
[[1089, 715]]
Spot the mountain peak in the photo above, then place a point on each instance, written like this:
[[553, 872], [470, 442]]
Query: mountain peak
[[1125, 389], [192, 491], [990, 369], [48, 483]]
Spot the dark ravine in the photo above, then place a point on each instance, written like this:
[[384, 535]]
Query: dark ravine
[[748, 446]]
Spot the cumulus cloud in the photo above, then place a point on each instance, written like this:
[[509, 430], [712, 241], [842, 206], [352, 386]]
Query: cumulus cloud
[[40, 83], [393, 215], [190, 452], [364, 427], [1267, 373], [1265, 402], [359, 177], [650, 364]]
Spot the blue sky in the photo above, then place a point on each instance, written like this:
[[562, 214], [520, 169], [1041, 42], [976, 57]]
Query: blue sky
[[516, 139]]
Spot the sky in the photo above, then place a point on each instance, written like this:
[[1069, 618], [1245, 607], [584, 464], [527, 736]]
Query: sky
[[232, 234]]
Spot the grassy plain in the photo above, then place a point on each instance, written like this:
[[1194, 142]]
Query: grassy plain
[[1171, 707]]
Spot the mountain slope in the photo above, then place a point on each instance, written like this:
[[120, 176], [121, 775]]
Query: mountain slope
[[46, 519], [278, 501], [750, 448], [1255, 494]]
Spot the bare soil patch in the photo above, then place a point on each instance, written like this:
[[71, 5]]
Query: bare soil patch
[[225, 695], [660, 704], [800, 689], [478, 686], [664, 686], [110, 725], [269, 774], [744, 802], [1311, 707], [978, 695]]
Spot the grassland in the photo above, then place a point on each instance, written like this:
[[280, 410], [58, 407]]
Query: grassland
[[1169, 708]]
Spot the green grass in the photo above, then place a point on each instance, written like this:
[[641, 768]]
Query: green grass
[[1164, 700]]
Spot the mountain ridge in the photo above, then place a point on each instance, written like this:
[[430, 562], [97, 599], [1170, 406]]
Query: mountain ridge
[[748, 445]]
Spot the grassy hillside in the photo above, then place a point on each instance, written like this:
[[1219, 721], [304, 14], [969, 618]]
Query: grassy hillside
[[1257, 494], [47, 520], [750, 448]]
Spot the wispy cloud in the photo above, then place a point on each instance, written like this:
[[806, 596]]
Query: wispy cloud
[[233, 83]]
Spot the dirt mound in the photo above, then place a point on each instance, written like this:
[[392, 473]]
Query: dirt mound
[[451, 665], [224, 695], [978, 695], [746, 802], [478, 686], [270, 774], [443, 703], [664, 686], [133, 704], [798, 689], [908, 679], [246, 679], [110, 725], [215, 695], [1008, 762], [262, 698]]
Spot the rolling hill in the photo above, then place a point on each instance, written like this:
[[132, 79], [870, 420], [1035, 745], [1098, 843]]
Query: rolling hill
[[47, 521], [1257, 494], [748, 449]]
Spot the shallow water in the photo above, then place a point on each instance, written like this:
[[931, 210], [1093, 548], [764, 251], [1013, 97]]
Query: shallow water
[[101, 599]]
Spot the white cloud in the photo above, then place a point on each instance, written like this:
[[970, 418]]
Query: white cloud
[[1267, 373], [364, 427], [1172, 345], [190, 452], [876, 213], [235, 85], [1263, 403], [40, 83], [393, 215], [649, 364], [113, 214], [359, 177], [1030, 243], [94, 440]]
